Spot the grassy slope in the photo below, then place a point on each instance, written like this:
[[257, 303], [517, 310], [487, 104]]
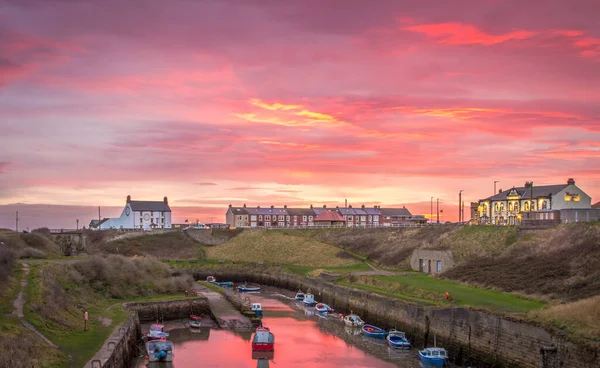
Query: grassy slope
[[31, 245], [581, 318], [171, 245], [58, 296], [274, 246]]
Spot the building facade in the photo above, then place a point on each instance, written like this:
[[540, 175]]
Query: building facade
[[144, 215], [507, 207], [306, 217]]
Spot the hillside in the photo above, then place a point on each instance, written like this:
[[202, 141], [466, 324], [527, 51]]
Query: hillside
[[169, 245], [278, 247], [37, 244]]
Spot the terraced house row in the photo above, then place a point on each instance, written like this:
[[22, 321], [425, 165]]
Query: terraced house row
[[283, 217]]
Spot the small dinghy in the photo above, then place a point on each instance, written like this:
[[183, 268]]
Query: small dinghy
[[248, 288], [309, 299], [397, 340], [353, 320], [263, 340], [434, 356], [374, 331], [300, 295], [156, 332], [160, 351], [323, 308], [195, 321]]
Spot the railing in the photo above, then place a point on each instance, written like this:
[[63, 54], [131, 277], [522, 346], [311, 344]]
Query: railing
[[287, 227]]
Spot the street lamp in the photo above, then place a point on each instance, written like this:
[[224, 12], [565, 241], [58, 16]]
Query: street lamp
[[431, 211], [460, 206]]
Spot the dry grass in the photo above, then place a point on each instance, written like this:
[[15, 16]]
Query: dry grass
[[21, 348], [279, 247], [170, 245], [581, 318], [31, 245]]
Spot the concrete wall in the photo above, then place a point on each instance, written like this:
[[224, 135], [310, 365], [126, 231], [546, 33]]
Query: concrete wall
[[472, 337], [169, 310], [431, 257], [121, 346]]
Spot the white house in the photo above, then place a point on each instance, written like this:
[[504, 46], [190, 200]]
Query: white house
[[140, 215]]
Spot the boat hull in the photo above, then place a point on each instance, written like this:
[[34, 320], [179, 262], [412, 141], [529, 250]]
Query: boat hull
[[243, 288], [398, 344], [374, 332], [160, 351], [322, 308], [263, 346], [195, 324], [438, 362]]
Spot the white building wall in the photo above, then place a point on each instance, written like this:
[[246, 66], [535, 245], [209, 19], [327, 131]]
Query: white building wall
[[560, 203], [122, 222], [139, 220]]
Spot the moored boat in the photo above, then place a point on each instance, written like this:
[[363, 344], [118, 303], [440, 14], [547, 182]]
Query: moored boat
[[300, 295], [257, 309], [156, 332], [434, 356], [263, 340], [397, 339], [211, 279], [374, 331], [248, 288], [160, 351], [224, 283], [323, 308], [353, 320], [309, 299], [195, 321]]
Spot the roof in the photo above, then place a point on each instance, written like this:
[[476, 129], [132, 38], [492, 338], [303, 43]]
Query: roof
[[597, 205], [95, 223], [266, 211], [319, 210], [346, 211], [238, 210], [396, 212], [300, 212], [525, 192], [372, 211], [329, 216], [359, 211], [156, 206]]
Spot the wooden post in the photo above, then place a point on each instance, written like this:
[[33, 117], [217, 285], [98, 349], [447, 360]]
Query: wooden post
[[85, 320]]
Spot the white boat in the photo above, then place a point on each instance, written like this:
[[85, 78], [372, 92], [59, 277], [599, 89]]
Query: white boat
[[160, 351], [353, 320], [309, 299], [211, 279]]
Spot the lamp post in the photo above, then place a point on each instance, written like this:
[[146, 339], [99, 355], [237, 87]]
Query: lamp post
[[431, 211], [437, 210], [460, 205]]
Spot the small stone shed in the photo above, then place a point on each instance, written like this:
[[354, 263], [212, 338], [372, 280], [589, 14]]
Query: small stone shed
[[431, 261]]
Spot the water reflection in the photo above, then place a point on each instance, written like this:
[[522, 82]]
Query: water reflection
[[302, 339]]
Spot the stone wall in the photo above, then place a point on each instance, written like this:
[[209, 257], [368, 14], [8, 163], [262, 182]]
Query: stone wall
[[472, 337], [429, 259], [120, 348], [170, 310]]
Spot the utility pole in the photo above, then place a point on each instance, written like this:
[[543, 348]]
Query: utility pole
[[77, 220], [437, 210], [99, 218], [462, 214], [17, 222], [460, 205], [431, 211], [495, 181]]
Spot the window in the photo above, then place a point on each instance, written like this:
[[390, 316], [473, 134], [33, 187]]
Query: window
[[310, 218], [370, 218], [350, 218], [497, 207], [375, 218], [287, 218], [526, 206], [281, 218], [304, 218], [439, 266], [253, 217], [141, 220], [510, 206], [363, 218], [267, 217], [260, 218]]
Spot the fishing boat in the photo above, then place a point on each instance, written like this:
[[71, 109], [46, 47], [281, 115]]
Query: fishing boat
[[397, 340], [195, 321], [309, 299], [156, 332], [353, 320], [323, 308], [300, 295], [211, 279], [374, 331], [224, 283], [248, 288], [263, 340], [257, 309], [434, 356], [160, 351]]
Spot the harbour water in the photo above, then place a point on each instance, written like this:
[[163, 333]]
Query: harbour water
[[303, 338]]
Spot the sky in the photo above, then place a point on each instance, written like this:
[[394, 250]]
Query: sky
[[269, 102]]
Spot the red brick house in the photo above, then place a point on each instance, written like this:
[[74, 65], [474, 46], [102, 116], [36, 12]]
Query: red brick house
[[329, 218]]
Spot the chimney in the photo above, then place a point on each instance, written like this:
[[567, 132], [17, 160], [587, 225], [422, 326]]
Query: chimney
[[258, 207], [285, 206], [229, 205], [324, 206], [128, 199], [337, 207], [571, 181], [272, 206], [311, 206], [528, 184], [350, 206], [363, 206], [500, 191], [166, 200], [244, 205], [375, 206]]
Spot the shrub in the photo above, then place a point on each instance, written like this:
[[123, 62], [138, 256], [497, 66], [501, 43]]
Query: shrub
[[30, 252], [7, 262]]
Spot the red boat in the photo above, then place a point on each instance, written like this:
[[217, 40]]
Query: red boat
[[195, 321], [263, 340]]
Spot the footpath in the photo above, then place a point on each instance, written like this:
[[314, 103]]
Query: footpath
[[226, 315]]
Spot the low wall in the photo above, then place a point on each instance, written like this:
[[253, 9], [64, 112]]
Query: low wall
[[471, 337], [170, 310], [121, 346]]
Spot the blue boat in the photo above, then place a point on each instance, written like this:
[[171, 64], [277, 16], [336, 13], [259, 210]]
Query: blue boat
[[309, 299], [300, 295], [434, 356], [160, 351], [248, 288], [374, 331], [398, 340], [323, 308], [224, 284]]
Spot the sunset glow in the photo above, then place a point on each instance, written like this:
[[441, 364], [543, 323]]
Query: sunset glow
[[294, 102]]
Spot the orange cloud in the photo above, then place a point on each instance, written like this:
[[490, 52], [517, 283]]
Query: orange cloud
[[466, 34], [316, 115], [273, 106]]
